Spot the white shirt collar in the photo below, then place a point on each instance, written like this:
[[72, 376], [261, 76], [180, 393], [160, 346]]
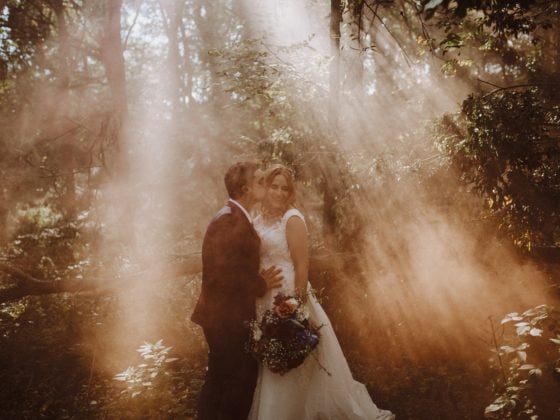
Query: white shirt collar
[[243, 210]]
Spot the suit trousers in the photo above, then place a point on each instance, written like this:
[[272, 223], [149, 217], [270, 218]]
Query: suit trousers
[[231, 377]]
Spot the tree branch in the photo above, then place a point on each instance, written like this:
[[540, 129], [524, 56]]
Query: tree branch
[[27, 285], [527, 85], [401, 46], [125, 42]]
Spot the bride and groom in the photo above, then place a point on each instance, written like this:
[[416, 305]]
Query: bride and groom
[[246, 263]]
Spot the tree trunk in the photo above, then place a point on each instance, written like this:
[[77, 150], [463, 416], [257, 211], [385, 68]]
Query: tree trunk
[[334, 82], [60, 124], [111, 52], [3, 219], [171, 13], [188, 70], [329, 200]]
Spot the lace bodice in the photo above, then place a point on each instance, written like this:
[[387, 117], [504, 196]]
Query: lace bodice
[[274, 246], [275, 251]]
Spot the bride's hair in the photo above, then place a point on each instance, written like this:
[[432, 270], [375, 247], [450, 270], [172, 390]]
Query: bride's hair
[[279, 169]]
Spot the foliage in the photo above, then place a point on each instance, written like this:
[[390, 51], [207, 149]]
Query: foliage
[[58, 148], [505, 146], [508, 34], [492, 41], [504, 19], [25, 28], [152, 376], [529, 361], [286, 113], [56, 364], [50, 246]]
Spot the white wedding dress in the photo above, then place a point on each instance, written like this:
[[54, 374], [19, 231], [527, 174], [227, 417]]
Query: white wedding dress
[[307, 392]]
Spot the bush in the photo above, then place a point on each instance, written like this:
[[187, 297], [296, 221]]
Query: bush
[[529, 363]]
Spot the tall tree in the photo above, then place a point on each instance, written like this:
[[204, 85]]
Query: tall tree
[[62, 125], [111, 54], [334, 84], [172, 12]]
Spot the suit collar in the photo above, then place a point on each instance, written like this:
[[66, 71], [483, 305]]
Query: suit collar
[[240, 207], [237, 210]]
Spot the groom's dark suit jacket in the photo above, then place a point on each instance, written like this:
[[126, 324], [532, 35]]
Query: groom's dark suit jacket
[[230, 284], [230, 271]]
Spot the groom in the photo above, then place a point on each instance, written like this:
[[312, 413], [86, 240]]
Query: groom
[[230, 284]]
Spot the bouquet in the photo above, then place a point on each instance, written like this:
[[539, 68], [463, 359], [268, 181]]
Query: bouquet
[[284, 336]]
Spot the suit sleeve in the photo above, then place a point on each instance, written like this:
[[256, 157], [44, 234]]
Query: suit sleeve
[[230, 262], [257, 285]]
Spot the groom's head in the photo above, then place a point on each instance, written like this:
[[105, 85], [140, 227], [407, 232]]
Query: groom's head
[[244, 181]]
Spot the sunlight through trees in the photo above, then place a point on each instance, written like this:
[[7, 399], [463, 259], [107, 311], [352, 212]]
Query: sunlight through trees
[[424, 136]]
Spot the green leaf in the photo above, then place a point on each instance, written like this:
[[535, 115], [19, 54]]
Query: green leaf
[[535, 373], [514, 316], [523, 329], [432, 4], [523, 346], [526, 367], [536, 332], [496, 406]]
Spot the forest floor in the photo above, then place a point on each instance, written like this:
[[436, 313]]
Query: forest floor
[[44, 380], [48, 370]]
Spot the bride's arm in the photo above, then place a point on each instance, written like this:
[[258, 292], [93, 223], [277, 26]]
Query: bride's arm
[[296, 235]]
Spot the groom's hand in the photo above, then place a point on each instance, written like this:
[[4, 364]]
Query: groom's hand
[[272, 276]]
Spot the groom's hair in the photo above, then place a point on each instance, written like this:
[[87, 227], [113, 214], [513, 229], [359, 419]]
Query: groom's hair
[[237, 176]]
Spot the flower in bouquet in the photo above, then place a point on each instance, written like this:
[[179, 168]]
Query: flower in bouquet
[[284, 337], [286, 308], [302, 313]]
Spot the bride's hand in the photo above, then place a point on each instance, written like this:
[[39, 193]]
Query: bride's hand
[[272, 276]]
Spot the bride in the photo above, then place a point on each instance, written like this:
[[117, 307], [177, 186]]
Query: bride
[[320, 389]]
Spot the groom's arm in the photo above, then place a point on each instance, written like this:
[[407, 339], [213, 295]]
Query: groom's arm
[[230, 262], [246, 259], [256, 283]]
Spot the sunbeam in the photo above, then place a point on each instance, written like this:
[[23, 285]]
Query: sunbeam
[[422, 138]]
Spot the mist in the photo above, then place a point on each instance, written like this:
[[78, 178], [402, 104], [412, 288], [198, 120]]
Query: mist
[[432, 282], [403, 259]]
